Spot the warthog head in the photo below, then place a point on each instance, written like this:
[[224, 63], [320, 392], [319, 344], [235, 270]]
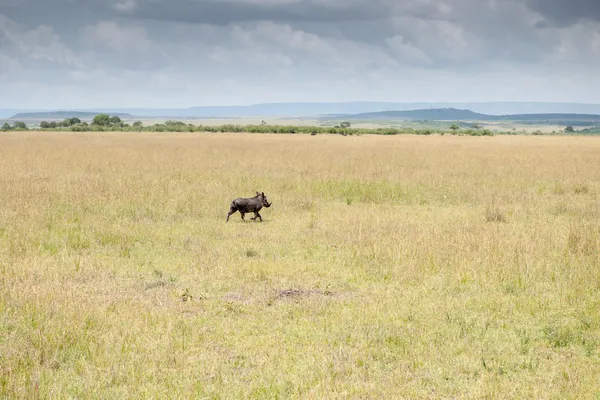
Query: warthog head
[[263, 199]]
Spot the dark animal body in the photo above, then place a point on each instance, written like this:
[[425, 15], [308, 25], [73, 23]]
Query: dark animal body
[[252, 204]]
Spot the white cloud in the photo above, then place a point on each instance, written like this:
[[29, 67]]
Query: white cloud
[[113, 36], [125, 6], [250, 57], [577, 44], [40, 44], [301, 47], [406, 52]]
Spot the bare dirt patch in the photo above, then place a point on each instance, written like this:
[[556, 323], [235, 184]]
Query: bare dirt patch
[[301, 293]]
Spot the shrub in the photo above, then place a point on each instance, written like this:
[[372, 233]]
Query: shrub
[[101, 120], [18, 125]]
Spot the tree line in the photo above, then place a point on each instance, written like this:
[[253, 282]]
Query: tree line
[[105, 122]]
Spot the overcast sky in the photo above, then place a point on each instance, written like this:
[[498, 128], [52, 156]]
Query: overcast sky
[[179, 53]]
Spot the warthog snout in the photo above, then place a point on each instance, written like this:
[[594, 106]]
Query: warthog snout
[[247, 205]]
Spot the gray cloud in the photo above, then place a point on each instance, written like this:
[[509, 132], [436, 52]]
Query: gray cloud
[[186, 52], [226, 12], [566, 12]]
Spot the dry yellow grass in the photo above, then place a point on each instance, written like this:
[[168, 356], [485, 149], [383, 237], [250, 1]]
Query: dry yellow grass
[[388, 267]]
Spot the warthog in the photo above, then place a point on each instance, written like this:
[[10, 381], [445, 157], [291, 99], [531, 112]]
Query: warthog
[[253, 204]]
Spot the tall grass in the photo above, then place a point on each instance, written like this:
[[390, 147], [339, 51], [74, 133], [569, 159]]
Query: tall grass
[[388, 267]]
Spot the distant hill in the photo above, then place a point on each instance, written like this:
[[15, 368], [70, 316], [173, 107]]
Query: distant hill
[[436, 114], [64, 114], [453, 114], [548, 117], [320, 109]]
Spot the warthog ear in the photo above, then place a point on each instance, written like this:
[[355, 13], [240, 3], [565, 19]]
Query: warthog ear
[[257, 193], [263, 193]]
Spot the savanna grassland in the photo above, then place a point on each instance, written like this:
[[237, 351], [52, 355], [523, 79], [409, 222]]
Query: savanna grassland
[[387, 267]]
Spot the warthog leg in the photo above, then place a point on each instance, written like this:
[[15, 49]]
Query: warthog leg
[[231, 211], [257, 215], [242, 215]]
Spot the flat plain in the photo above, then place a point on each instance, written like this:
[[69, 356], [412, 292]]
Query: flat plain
[[388, 267]]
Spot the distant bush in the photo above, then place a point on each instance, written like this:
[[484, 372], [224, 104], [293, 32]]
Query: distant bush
[[20, 126], [590, 131], [101, 120], [108, 121]]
